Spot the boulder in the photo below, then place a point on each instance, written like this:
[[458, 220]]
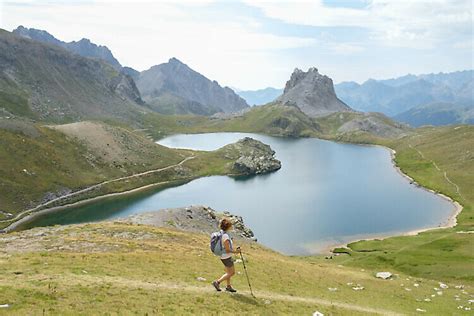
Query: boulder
[[383, 275]]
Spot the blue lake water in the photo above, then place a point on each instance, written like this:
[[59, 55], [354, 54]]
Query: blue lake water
[[325, 193]]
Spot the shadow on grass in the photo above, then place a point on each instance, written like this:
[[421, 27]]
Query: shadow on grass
[[245, 299]]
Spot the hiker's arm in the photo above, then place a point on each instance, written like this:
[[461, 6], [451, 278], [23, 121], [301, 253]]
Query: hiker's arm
[[227, 247]]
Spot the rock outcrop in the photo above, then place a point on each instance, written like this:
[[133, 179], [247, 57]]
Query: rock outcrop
[[198, 218], [254, 157], [313, 93]]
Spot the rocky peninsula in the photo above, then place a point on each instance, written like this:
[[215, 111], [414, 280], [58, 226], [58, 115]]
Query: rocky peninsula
[[196, 218]]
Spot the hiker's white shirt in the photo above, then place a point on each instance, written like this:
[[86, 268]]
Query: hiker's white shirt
[[225, 237]]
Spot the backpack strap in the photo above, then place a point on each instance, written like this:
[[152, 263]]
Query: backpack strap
[[230, 240], [221, 233]]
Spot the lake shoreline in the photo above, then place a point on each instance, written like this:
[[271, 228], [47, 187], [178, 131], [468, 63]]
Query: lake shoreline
[[450, 222]]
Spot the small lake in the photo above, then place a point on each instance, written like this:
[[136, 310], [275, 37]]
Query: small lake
[[326, 193]]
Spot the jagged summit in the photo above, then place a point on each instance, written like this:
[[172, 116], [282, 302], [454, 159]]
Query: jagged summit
[[312, 92], [174, 60]]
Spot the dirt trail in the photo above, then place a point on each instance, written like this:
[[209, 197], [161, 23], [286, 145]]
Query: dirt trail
[[437, 168], [95, 186], [84, 280]]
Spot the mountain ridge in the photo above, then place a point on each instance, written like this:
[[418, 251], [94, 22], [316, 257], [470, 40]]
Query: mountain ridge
[[398, 95], [53, 84], [83, 47]]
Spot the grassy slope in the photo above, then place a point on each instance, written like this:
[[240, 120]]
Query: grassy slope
[[54, 161], [120, 268]]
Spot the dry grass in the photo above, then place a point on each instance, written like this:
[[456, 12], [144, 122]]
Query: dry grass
[[119, 268]]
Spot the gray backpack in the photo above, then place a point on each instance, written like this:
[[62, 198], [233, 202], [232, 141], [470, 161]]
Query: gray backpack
[[216, 243]]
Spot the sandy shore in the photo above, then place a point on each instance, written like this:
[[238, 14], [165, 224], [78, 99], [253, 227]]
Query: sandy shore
[[450, 222]]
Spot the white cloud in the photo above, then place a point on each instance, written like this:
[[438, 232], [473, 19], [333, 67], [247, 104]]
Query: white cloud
[[142, 35], [403, 23], [346, 48]]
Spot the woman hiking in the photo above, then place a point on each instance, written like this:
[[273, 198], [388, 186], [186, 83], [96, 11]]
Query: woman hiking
[[225, 225]]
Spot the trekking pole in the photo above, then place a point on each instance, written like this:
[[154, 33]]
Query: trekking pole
[[246, 273]]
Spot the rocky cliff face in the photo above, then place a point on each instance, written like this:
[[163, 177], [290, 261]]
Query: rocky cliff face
[[313, 93], [124, 86], [84, 47], [174, 82]]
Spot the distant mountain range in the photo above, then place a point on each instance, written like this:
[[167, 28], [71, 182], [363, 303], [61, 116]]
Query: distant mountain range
[[439, 113], [396, 97], [259, 97], [169, 88], [60, 91]]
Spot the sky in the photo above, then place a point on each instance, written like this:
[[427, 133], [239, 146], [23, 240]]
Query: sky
[[252, 44]]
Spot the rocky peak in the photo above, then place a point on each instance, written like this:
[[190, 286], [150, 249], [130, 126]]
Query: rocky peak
[[312, 92], [37, 35], [85, 41], [178, 80], [298, 75], [175, 61]]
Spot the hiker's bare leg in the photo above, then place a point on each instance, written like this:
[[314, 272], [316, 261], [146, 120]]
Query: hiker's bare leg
[[229, 272]]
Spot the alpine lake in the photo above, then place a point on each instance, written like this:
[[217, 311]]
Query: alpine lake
[[326, 193]]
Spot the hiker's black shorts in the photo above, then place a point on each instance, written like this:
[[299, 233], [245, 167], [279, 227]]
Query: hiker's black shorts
[[229, 262]]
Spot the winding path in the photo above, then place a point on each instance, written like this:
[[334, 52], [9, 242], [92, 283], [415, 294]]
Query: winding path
[[95, 186], [83, 280]]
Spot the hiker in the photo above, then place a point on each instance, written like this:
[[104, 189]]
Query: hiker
[[225, 225]]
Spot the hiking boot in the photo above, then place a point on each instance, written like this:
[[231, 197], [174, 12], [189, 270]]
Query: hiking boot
[[229, 288], [216, 286]]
